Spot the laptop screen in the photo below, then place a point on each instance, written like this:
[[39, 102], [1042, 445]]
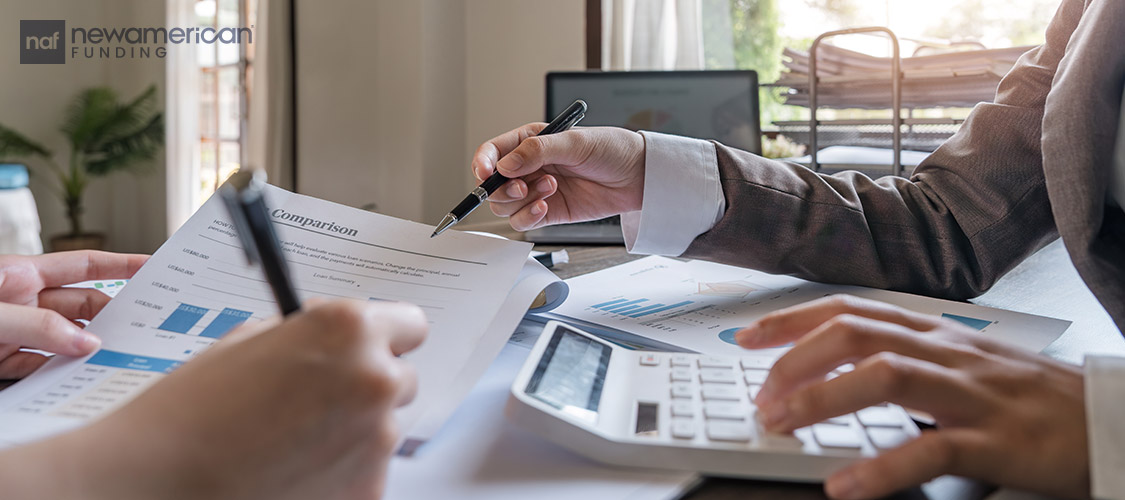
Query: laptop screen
[[719, 105]]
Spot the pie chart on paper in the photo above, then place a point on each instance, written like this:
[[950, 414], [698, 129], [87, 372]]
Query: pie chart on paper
[[728, 337]]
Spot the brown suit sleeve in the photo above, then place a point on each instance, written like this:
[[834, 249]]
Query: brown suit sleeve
[[972, 210]]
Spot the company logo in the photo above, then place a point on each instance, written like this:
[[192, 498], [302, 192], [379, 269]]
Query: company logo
[[42, 42], [45, 42]]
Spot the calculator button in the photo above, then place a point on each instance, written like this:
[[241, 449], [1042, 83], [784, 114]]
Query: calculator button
[[716, 362], [716, 391], [880, 417], [756, 376], [681, 375], [682, 390], [728, 430], [756, 363], [887, 437], [650, 359], [836, 436], [681, 359], [720, 375], [841, 420], [752, 391], [682, 409], [725, 410], [776, 441], [683, 428]]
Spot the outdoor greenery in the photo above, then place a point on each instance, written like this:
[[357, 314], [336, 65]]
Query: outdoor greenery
[[105, 136], [757, 39]]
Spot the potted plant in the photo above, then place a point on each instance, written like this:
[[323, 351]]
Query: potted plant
[[105, 136]]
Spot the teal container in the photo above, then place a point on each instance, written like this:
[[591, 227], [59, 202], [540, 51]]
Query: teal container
[[13, 176]]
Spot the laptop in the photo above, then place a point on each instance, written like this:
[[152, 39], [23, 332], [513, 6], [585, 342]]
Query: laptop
[[718, 105]]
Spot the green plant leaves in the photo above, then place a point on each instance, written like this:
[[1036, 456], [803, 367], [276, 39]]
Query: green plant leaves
[[111, 136], [15, 145], [125, 151]]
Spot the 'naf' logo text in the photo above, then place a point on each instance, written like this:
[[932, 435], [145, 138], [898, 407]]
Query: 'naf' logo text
[[42, 42]]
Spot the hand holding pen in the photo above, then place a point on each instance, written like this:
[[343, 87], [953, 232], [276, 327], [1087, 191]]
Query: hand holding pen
[[563, 122], [580, 175]]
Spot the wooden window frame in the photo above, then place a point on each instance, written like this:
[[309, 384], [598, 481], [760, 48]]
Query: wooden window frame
[[594, 34]]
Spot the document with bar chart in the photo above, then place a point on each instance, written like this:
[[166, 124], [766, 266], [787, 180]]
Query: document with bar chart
[[668, 304], [198, 287]]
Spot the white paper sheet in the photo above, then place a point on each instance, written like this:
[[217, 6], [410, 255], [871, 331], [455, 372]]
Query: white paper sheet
[[479, 455], [663, 303], [198, 286]]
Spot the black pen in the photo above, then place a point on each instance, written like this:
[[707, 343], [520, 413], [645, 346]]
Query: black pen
[[568, 118], [242, 193]]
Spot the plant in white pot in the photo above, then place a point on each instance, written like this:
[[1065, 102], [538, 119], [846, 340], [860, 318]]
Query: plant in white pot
[[105, 136]]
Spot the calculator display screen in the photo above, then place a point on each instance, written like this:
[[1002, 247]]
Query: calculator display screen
[[571, 373]]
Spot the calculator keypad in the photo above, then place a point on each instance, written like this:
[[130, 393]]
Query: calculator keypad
[[712, 397]]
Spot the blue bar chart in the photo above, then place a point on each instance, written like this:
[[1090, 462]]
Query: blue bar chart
[[227, 319], [974, 323], [183, 318], [116, 359], [637, 308]]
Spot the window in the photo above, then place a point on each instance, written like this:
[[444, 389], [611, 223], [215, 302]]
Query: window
[[225, 76], [753, 34]]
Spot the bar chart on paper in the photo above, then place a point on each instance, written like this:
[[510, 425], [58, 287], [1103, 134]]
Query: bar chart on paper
[[638, 308], [187, 316], [676, 303]]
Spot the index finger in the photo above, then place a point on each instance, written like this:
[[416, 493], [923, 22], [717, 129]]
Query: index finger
[[484, 160], [64, 268], [791, 323]]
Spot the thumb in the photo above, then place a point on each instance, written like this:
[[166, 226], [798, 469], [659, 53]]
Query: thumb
[[44, 329], [565, 148]]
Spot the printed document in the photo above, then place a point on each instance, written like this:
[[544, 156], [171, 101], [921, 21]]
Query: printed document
[[668, 304], [198, 286]]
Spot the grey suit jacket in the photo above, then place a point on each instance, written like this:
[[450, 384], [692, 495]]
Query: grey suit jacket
[[1023, 170]]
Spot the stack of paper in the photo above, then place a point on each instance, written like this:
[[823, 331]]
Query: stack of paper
[[850, 79]]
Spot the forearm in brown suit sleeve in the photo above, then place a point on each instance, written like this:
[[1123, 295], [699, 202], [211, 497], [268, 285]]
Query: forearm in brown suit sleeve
[[972, 210]]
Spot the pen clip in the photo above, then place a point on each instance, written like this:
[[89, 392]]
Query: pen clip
[[243, 187]]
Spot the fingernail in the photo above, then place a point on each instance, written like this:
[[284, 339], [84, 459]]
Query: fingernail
[[514, 191], [536, 209], [544, 186], [842, 486], [773, 415], [85, 342]]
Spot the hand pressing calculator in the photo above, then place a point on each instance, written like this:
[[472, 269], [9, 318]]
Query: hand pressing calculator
[[681, 411]]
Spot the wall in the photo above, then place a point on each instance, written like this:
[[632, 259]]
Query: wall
[[129, 209], [511, 46], [394, 97]]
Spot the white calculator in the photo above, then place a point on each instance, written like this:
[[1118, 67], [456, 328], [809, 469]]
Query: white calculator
[[681, 411]]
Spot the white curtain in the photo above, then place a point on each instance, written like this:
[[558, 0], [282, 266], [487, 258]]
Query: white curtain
[[182, 120], [666, 35], [270, 128]]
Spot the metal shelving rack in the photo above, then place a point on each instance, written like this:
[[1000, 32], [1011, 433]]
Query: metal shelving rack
[[896, 94]]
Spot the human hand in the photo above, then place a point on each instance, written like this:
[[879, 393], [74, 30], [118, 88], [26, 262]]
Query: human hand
[[578, 175], [1003, 415], [292, 410], [35, 312]]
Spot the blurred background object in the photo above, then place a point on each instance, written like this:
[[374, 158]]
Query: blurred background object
[[105, 136], [19, 219]]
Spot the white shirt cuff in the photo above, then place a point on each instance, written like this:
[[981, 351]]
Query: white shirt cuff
[[682, 199], [1105, 425]]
